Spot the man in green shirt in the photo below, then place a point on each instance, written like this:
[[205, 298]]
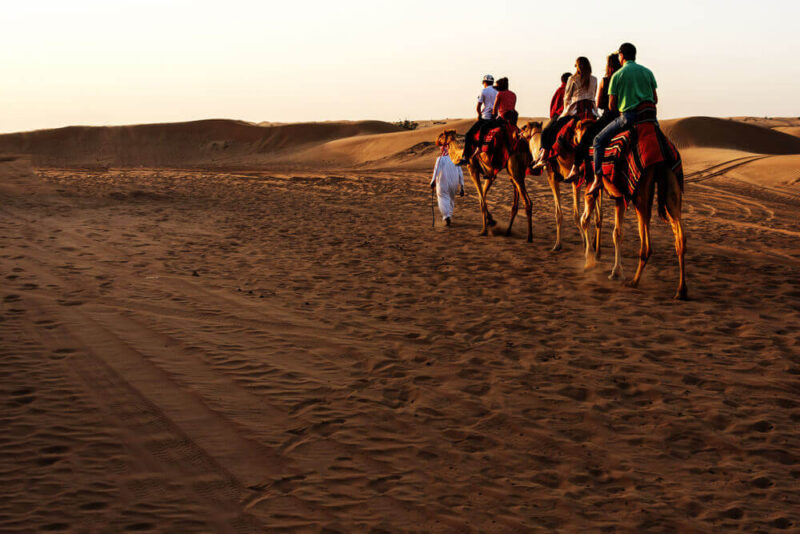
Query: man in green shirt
[[630, 86]]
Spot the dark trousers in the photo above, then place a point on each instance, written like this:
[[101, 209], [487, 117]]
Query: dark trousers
[[550, 131], [582, 151], [482, 126]]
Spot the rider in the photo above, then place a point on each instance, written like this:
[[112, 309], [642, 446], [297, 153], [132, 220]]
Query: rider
[[485, 117], [630, 86], [505, 103], [582, 152], [578, 101], [557, 102]]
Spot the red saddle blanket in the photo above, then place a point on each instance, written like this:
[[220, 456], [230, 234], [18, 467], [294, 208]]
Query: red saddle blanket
[[499, 142], [631, 152]]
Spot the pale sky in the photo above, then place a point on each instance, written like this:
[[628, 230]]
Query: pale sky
[[138, 61]]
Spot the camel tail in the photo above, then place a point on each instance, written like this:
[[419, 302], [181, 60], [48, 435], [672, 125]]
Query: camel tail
[[670, 194]]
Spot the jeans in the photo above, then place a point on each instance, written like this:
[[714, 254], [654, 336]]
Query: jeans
[[601, 140]]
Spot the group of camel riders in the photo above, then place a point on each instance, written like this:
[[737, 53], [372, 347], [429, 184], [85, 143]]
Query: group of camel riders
[[626, 90]]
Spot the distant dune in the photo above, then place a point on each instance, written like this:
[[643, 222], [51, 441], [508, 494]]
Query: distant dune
[[711, 132], [220, 143], [206, 142]]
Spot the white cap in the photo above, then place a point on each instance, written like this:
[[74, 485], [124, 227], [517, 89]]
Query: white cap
[[488, 78]]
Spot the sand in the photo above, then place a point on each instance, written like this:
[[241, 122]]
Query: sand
[[195, 349]]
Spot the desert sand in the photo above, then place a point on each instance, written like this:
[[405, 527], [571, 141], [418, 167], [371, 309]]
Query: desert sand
[[233, 327]]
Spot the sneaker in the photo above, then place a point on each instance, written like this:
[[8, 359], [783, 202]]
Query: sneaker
[[596, 186], [573, 175]]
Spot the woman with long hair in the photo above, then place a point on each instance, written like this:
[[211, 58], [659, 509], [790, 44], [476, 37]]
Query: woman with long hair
[[578, 101], [612, 66]]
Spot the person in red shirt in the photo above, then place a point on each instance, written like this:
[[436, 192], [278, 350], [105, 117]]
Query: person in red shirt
[[557, 102], [505, 103]]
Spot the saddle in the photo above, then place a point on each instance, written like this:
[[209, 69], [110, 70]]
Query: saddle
[[634, 150], [500, 141]]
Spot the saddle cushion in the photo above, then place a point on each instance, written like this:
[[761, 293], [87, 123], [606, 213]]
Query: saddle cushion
[[500, 142], [632, 151]]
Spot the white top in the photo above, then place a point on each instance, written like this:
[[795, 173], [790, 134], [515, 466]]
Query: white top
[[574, 92], [447, 176], [487, 97]]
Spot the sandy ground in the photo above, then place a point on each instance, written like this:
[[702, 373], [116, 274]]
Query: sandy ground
[[245, 352]]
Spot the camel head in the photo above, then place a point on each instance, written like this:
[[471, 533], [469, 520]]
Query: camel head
[[530, 128], [446, 137], [581, 129], [532, 131]]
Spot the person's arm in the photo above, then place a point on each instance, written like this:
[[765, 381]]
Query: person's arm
[[612, 102], [655, 97], [599, 91], [494, 106], [435, 172], [478, 109], [568, 95]]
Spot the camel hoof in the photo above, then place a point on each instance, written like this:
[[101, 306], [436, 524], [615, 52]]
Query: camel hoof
[[631, 283], [556, 247], [615, 275], [483, 232], [530, 239], [492, 222], [507, 233], [589, 266], [682, 294]]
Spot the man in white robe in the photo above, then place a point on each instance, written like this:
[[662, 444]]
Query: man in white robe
[[448, 181]]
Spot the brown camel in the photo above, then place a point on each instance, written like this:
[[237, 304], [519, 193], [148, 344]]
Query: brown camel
[[481, 164], [670, 196], [557, 169]]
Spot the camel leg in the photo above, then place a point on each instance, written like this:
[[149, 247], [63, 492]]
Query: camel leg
[[643, 209], [598, 224], [514, 209], [680, 248], [576, 215], [556, 188], [619, 215], [476, 179], [588, 208], [521, 191], [489, 220], [674, 216]]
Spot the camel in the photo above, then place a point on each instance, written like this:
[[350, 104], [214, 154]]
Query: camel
[[558, 169], [670, 196], [481, 163]]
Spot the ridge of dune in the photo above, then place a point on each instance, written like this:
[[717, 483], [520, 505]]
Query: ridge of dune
[[791, 130], [693, 132]]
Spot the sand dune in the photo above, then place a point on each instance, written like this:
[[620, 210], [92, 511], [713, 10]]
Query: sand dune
[[216, 142], [729, 134], [226, 144]]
